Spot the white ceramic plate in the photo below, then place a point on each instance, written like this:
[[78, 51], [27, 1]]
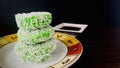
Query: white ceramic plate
[[68, 51], [8, 58]]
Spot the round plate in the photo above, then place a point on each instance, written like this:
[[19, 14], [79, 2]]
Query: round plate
[[68, 51]]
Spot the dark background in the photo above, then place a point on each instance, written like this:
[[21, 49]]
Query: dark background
[[98, 14], [95, 13]]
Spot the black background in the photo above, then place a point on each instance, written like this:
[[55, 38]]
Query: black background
[[98, 14], [95, 13]]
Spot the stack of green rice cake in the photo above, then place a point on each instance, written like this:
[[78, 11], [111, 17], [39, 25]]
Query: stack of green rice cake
[[35, 36]]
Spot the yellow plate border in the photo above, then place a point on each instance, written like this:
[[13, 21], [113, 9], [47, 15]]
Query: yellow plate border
[[67, 61]]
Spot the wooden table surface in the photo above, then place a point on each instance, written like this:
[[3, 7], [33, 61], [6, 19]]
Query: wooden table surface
[[101, 48]]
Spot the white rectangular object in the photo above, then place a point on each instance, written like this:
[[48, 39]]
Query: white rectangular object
[[81, 27]]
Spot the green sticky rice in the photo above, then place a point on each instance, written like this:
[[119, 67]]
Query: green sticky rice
[[33, 20], [35, 36], [35, 53]]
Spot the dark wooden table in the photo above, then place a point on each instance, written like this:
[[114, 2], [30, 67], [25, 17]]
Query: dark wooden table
[[101, 48]]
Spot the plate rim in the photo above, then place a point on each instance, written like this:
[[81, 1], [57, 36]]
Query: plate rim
[[68, 64]]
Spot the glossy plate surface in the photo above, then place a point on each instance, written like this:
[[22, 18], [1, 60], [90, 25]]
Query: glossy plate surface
[[68, 51]]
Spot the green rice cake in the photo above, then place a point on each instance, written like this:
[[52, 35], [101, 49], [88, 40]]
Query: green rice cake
[[35, 53], [35, 36], [33, 20]]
